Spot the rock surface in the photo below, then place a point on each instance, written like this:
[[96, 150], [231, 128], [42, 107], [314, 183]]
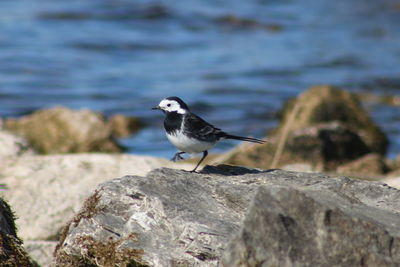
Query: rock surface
[[176, 218], [45, 191], [11, 251], [290, 227], [62, 130]]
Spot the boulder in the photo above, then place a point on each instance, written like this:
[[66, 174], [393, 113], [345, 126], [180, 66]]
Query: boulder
[[12, 254], [62, 130], [322, 104], [325, 127], [176, 218], [314, 228], [46, 191]]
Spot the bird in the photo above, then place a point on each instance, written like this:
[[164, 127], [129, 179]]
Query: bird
[[189, 133]]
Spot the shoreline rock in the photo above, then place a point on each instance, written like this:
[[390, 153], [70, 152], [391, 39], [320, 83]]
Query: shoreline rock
[[63, 130], [324, 126], [325, 103], [304, 228], [173, 217]]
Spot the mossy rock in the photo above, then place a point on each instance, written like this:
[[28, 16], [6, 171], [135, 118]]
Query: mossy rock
[[106, 254]]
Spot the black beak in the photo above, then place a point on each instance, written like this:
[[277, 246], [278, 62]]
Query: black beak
[[155, 108]]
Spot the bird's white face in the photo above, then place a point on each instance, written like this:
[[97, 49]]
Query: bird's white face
[[171, 106]]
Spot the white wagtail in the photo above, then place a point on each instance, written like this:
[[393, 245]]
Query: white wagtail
[[190, 133]]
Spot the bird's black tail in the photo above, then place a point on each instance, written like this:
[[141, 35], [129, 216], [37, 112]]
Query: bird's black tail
[[242, 138]]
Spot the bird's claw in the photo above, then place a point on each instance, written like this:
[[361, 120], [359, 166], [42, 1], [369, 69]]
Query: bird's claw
[[177, 157]]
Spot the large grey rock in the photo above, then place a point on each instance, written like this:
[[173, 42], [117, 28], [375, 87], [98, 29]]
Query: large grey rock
[[290, 227], [176, 218]]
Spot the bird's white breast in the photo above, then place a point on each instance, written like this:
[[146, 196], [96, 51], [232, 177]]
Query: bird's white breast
[[187, 144]]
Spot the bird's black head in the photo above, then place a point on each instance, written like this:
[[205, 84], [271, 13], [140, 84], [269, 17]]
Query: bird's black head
[[173, 104]]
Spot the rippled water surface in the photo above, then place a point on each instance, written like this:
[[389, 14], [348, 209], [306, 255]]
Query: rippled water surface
[[235, 62]]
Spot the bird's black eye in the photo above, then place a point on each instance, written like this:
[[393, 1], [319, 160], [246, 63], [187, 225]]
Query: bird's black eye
[[168, 105]]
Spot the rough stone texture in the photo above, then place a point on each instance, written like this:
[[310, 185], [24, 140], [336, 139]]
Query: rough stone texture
[[330, 129], [12, 145], [369, 165], [62, 130], [176, 218], [290, 227], [11, 251], [45, 191]]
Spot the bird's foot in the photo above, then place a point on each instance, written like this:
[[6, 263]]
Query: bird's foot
[[177, 157]]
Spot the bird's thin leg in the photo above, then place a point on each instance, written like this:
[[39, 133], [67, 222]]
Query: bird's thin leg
[[178, 156], [205, 153]]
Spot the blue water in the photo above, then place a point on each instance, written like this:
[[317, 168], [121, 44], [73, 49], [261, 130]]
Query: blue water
[[124, 56]]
